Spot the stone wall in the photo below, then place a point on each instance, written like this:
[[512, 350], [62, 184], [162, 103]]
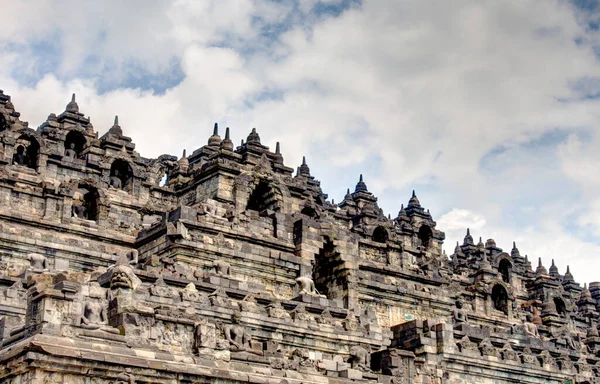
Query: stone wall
[[238, 270]]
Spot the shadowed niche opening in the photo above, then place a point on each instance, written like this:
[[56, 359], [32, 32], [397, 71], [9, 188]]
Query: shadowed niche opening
[[561, 307], [74, 144], [500, 298], [308, 211], [380, 235], [27, 151], [324, 270], [263, 197], [3, 123], [425, 235], [121, 175], [504, 268], [85, 203]]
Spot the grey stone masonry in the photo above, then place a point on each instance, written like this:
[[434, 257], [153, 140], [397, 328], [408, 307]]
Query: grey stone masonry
[[226, 266]]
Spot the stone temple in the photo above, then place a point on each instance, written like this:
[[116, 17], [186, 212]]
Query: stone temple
[[227, 266]]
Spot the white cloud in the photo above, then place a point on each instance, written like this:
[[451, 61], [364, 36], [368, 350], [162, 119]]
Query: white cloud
[[406, 92], [459, 219]]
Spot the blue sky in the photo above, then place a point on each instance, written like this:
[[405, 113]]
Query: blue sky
[[489, 110]]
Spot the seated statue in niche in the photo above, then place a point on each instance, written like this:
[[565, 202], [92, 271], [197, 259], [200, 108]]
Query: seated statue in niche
[[37, 261], [115, 180], [306, 285], [94, 318], [530, 328], [78, 209], [459, 314], [70, 152], [21, 158], [240, 340]]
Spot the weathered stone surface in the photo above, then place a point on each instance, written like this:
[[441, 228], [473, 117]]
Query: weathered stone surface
[[236, 270]]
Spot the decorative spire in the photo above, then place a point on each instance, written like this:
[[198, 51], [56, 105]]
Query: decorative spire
[[414, 201], [515, 251], [116, 128], [468, 238], [585, 294], [72, 106], [402, 211], [485, 263], [184, 163], [541, 270], [253, 137], [278, 155], [553, 270], [361, 186], [480, 243], [215, 139], [227, 144], [490, 243], [568, 276], [348, 195], [304, 170]]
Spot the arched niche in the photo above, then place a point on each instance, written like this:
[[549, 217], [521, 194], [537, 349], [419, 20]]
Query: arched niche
[[85, 203], [500, 298], [75, 142], [27, 151], [121, 175], [328, 272], [380, 235], [425, 235], [264, 196], [3, 123], [561, 307], [309, 211], [505, 270]]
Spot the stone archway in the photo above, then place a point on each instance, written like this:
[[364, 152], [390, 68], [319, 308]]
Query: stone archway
[[121, 175], [380, 235], [27, 151], [264, 196], [505, 269], [425, 235], [75, 142], [500, 298]]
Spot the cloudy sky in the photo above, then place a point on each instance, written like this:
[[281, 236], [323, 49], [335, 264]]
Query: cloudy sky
[[490, 110]]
